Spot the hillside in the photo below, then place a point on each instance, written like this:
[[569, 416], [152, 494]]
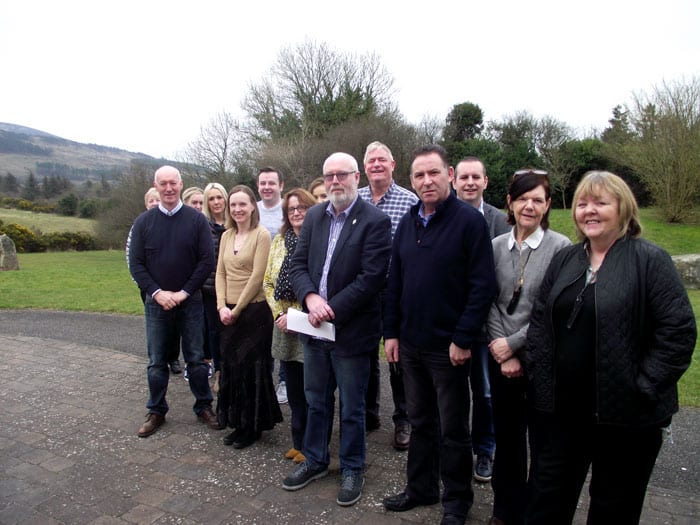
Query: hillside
[[23, 149]]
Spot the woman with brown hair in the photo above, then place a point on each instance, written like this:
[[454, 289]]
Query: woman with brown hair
[[286, 346], [247, 399]]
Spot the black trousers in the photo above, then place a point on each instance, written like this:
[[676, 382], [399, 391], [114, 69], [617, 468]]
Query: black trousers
[[621, 460], [510, 410], [437, 399]]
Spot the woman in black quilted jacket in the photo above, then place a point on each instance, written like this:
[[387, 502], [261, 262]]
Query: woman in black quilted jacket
[[611, 333]]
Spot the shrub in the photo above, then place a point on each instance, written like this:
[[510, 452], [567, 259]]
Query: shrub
[[68, 205], [44, 208], [64, 241], [24, 204], [88, 209], [26, 241], [9, 202]]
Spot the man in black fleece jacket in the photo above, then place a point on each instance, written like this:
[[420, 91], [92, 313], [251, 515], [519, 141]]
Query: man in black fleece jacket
[[441, 285]]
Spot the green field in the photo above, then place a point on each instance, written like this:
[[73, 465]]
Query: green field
[[46, 222], [676, 239]]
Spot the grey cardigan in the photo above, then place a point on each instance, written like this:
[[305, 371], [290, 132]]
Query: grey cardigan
[[514, 326]]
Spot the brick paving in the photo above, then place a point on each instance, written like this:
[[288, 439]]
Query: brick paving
[[69, 454]]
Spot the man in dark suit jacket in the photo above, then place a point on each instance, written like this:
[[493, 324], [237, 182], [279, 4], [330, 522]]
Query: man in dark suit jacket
[[469, 183], [337, 271]]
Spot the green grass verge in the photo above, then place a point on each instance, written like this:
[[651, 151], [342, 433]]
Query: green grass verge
[[82, 281], [47, 222], [689, 385], [676, 239]]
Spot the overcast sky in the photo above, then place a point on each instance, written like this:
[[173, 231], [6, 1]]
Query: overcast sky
[[145, 75]]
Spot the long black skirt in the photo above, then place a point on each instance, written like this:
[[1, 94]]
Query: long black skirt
[[247, 399]]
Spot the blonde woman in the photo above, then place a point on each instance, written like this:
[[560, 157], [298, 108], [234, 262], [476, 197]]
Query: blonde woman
[[216, 211], [611, 333]]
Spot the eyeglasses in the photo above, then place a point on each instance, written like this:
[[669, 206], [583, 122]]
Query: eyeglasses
[[293, 209], [341, 175], [529, 171]]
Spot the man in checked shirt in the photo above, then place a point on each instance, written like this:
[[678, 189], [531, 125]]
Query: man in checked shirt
[[395, 201]]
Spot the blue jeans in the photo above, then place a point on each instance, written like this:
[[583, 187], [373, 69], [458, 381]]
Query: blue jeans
[[437, 399], [483, 439], [163, 327], [323, 371]]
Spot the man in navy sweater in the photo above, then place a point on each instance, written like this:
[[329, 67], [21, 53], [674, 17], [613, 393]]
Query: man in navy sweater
[[170, 257], [441, 285]]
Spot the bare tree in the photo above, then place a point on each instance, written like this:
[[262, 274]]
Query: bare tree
[[222, 150], [664, 146], [551, 138], [312, 88], [429, 129]]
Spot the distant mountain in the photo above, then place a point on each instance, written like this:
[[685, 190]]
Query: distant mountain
[[23, 149]]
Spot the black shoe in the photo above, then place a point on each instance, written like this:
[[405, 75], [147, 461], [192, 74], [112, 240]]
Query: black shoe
[[231, 438], [302, 476], [350, 488], [483, 469], [402, 435], [372, 422], [402, 502], [246, 439], [175, 367], [452, 519]]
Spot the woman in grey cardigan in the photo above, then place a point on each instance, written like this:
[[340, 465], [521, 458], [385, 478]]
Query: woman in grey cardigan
[[521, 257]]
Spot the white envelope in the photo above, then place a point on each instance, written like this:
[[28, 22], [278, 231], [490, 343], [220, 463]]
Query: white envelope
[[298, 321]]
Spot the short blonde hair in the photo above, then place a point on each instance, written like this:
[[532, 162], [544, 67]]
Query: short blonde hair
[[593, 184], [191, 192], [377, 145], [152, 192]]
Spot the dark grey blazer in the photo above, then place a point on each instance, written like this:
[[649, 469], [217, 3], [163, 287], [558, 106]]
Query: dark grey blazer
[[356, 276], [496, 220]]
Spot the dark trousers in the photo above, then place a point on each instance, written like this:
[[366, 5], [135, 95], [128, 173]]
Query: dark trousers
[[437, 399], [398, 392], [294, 372], [509, 481], [483, 440], [213, 329], [621, 459]]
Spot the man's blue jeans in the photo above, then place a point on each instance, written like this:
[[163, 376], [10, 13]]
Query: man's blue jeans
[[185, 322], [323, 371], [483, 439]]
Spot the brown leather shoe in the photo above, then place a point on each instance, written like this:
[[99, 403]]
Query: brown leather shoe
[[402, 435], [496, 521], [153, 422], [207, 416]]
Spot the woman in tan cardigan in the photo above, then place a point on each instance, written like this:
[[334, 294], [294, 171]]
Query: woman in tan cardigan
[[247, 399]]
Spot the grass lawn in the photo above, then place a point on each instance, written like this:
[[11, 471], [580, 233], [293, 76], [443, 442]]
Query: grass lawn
[[82, 281], [676, 239], [46, 222]]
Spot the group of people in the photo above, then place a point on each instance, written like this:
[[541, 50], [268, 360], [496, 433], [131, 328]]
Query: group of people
[[568, 354]]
